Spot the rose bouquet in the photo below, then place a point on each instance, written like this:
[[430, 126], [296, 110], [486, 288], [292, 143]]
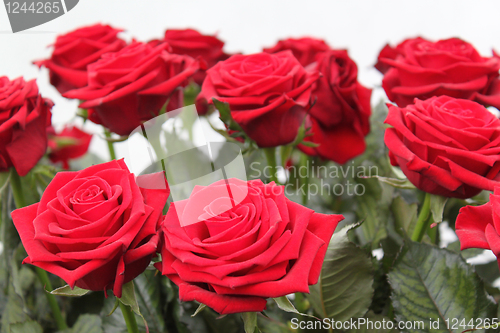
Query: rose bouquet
[[317, 212]]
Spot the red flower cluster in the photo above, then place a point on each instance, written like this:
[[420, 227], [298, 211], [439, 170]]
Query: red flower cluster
[[125, 85], [271, 96], [233, 244]]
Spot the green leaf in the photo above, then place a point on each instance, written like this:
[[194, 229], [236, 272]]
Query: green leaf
[[488, 272], [21, 278], [277, 322], [250, 321], [430, 283], [190, 93], [147, 287], [225, 134], [62, 141], [345, 287], [225, 115], [466, 254], [398, 172], [184, 323], [394, 182], [88, 323], [405, 216], [309, 144], [117, 304], [8, 233], [67, 291], [198, 310], [45, 170], [128, 297], [374, 210], [14, 271], [437, 207], [284, 304], [114, 323], [13, 304], [29, 326], [13, 311], [83, 113]]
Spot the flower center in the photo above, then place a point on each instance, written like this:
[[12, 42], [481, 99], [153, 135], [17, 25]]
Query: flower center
[[90, 194]]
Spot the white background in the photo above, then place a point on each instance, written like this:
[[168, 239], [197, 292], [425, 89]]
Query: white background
[[362, 27]]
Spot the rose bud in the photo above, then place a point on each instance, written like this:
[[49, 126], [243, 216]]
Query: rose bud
[[68, 144]]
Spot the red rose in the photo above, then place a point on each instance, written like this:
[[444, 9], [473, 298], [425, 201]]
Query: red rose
[[304, 49], [70, 143], [77, 49], [478, 227], [95, 228], [268, 94], [131, 86], [192, 43], [340, 117], [422, 69], [389, 52], [445, 146], [24, 117], [232, 245]]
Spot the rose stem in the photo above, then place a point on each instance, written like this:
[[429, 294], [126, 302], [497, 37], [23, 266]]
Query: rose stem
[[271, 161], [304, 181], [17, 190], [129, 317], [111, 148], [423, 220]]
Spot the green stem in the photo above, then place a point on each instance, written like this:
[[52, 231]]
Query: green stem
[[111, 148], [433, 232], [304, 181], [271, 161], [17, 190], [129, 317], [423, 220], [56, 311]]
